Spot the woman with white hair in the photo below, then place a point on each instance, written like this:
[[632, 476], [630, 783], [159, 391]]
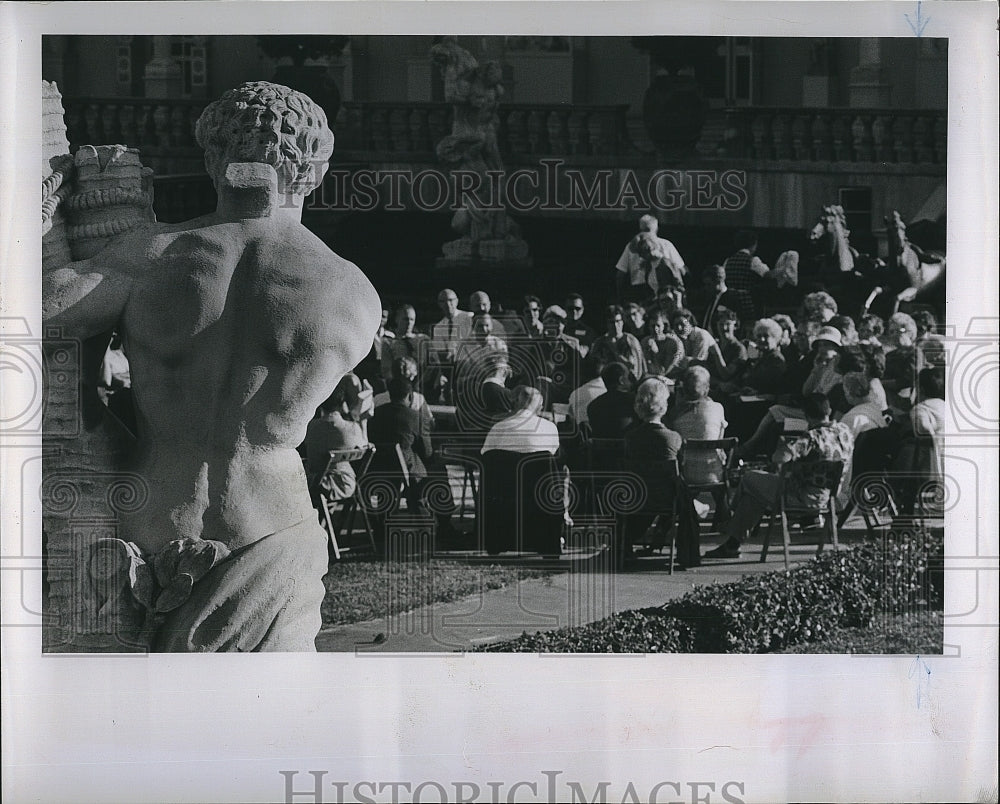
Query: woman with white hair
[[521, 481], [649, 445], [767, 371], [696, 417], [900, 359], [524, 430]]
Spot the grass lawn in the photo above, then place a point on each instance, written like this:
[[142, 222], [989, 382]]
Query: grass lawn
[[921, 633], [359, 589]]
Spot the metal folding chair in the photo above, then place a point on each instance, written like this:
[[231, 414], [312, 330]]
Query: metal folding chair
[[822, 474], [723, 450], [360, 458], [671, 476], [467, 457]]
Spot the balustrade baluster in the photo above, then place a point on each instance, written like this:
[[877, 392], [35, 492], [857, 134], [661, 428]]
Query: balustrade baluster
[[418, 130], [380, 129], [161, 125], [902, 137], [579, 137], [399, 129], [760, 131], [923, 139], [623, 142], [882, 138], [940, 136], [126, 125], [517, 132], [822, 138], [91, 119], [601, 126], [179, 127], [558, 132], [801, 138], [733, 142], [781, 135], [537, 132], [863, 144], [437, 125], [144, 125], [109, 124], [352, 131], [593, 133], [841, 137]]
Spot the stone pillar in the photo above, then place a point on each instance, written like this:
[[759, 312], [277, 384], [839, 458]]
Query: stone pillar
[[163, 77], [868, 89]]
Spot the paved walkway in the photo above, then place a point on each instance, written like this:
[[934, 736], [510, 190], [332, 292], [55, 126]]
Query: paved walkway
[[586, 591]]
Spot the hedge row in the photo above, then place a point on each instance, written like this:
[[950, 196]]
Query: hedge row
[[768, 611]]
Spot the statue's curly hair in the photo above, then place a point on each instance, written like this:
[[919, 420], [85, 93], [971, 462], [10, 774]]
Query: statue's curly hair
[[836, 213], [263, 122]]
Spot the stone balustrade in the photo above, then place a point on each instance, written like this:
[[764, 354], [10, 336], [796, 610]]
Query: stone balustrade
[[163, 130], [525, 129], [895, 136], [372, 131]]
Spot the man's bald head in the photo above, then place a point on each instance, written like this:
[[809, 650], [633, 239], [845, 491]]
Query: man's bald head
[[479, 302], [448, 302]]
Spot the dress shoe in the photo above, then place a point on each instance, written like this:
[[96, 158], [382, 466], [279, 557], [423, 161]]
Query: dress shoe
[[724, 550]]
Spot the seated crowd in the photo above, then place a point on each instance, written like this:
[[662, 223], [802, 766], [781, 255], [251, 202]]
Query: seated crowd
[[665, 367]]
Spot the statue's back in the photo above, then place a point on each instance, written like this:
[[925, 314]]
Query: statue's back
[[235, 332]]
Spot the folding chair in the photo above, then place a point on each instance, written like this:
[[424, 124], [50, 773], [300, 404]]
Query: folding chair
[[360, 458], [468, 458], [822, 474], [722, 451], [605, 461], [671, 475]]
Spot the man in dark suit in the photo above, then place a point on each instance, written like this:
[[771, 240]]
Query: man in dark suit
[[397, 424], [612, 413]]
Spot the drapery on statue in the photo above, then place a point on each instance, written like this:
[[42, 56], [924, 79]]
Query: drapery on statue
[[237, 325], [474, 90]]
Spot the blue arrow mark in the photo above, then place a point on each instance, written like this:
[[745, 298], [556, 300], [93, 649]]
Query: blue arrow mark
[[920, 24]]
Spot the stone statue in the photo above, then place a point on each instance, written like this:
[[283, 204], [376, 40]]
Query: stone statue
[[919, 274], [236, 325], [474, 90]]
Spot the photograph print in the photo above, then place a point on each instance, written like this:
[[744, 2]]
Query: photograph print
[[436, 344]]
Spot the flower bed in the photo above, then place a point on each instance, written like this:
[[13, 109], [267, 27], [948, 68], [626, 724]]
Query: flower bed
[[762, 613], [368, 588]]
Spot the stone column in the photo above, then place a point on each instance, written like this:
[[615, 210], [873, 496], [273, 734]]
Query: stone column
[[868, 89], [163, 77]]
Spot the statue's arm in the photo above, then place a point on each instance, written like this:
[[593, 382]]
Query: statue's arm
[[88, 297]]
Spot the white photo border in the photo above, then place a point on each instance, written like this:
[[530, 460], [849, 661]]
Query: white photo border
[[774, 728]]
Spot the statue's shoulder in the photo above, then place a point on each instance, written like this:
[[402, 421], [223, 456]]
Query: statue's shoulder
[[324, 277], [302, 251]]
